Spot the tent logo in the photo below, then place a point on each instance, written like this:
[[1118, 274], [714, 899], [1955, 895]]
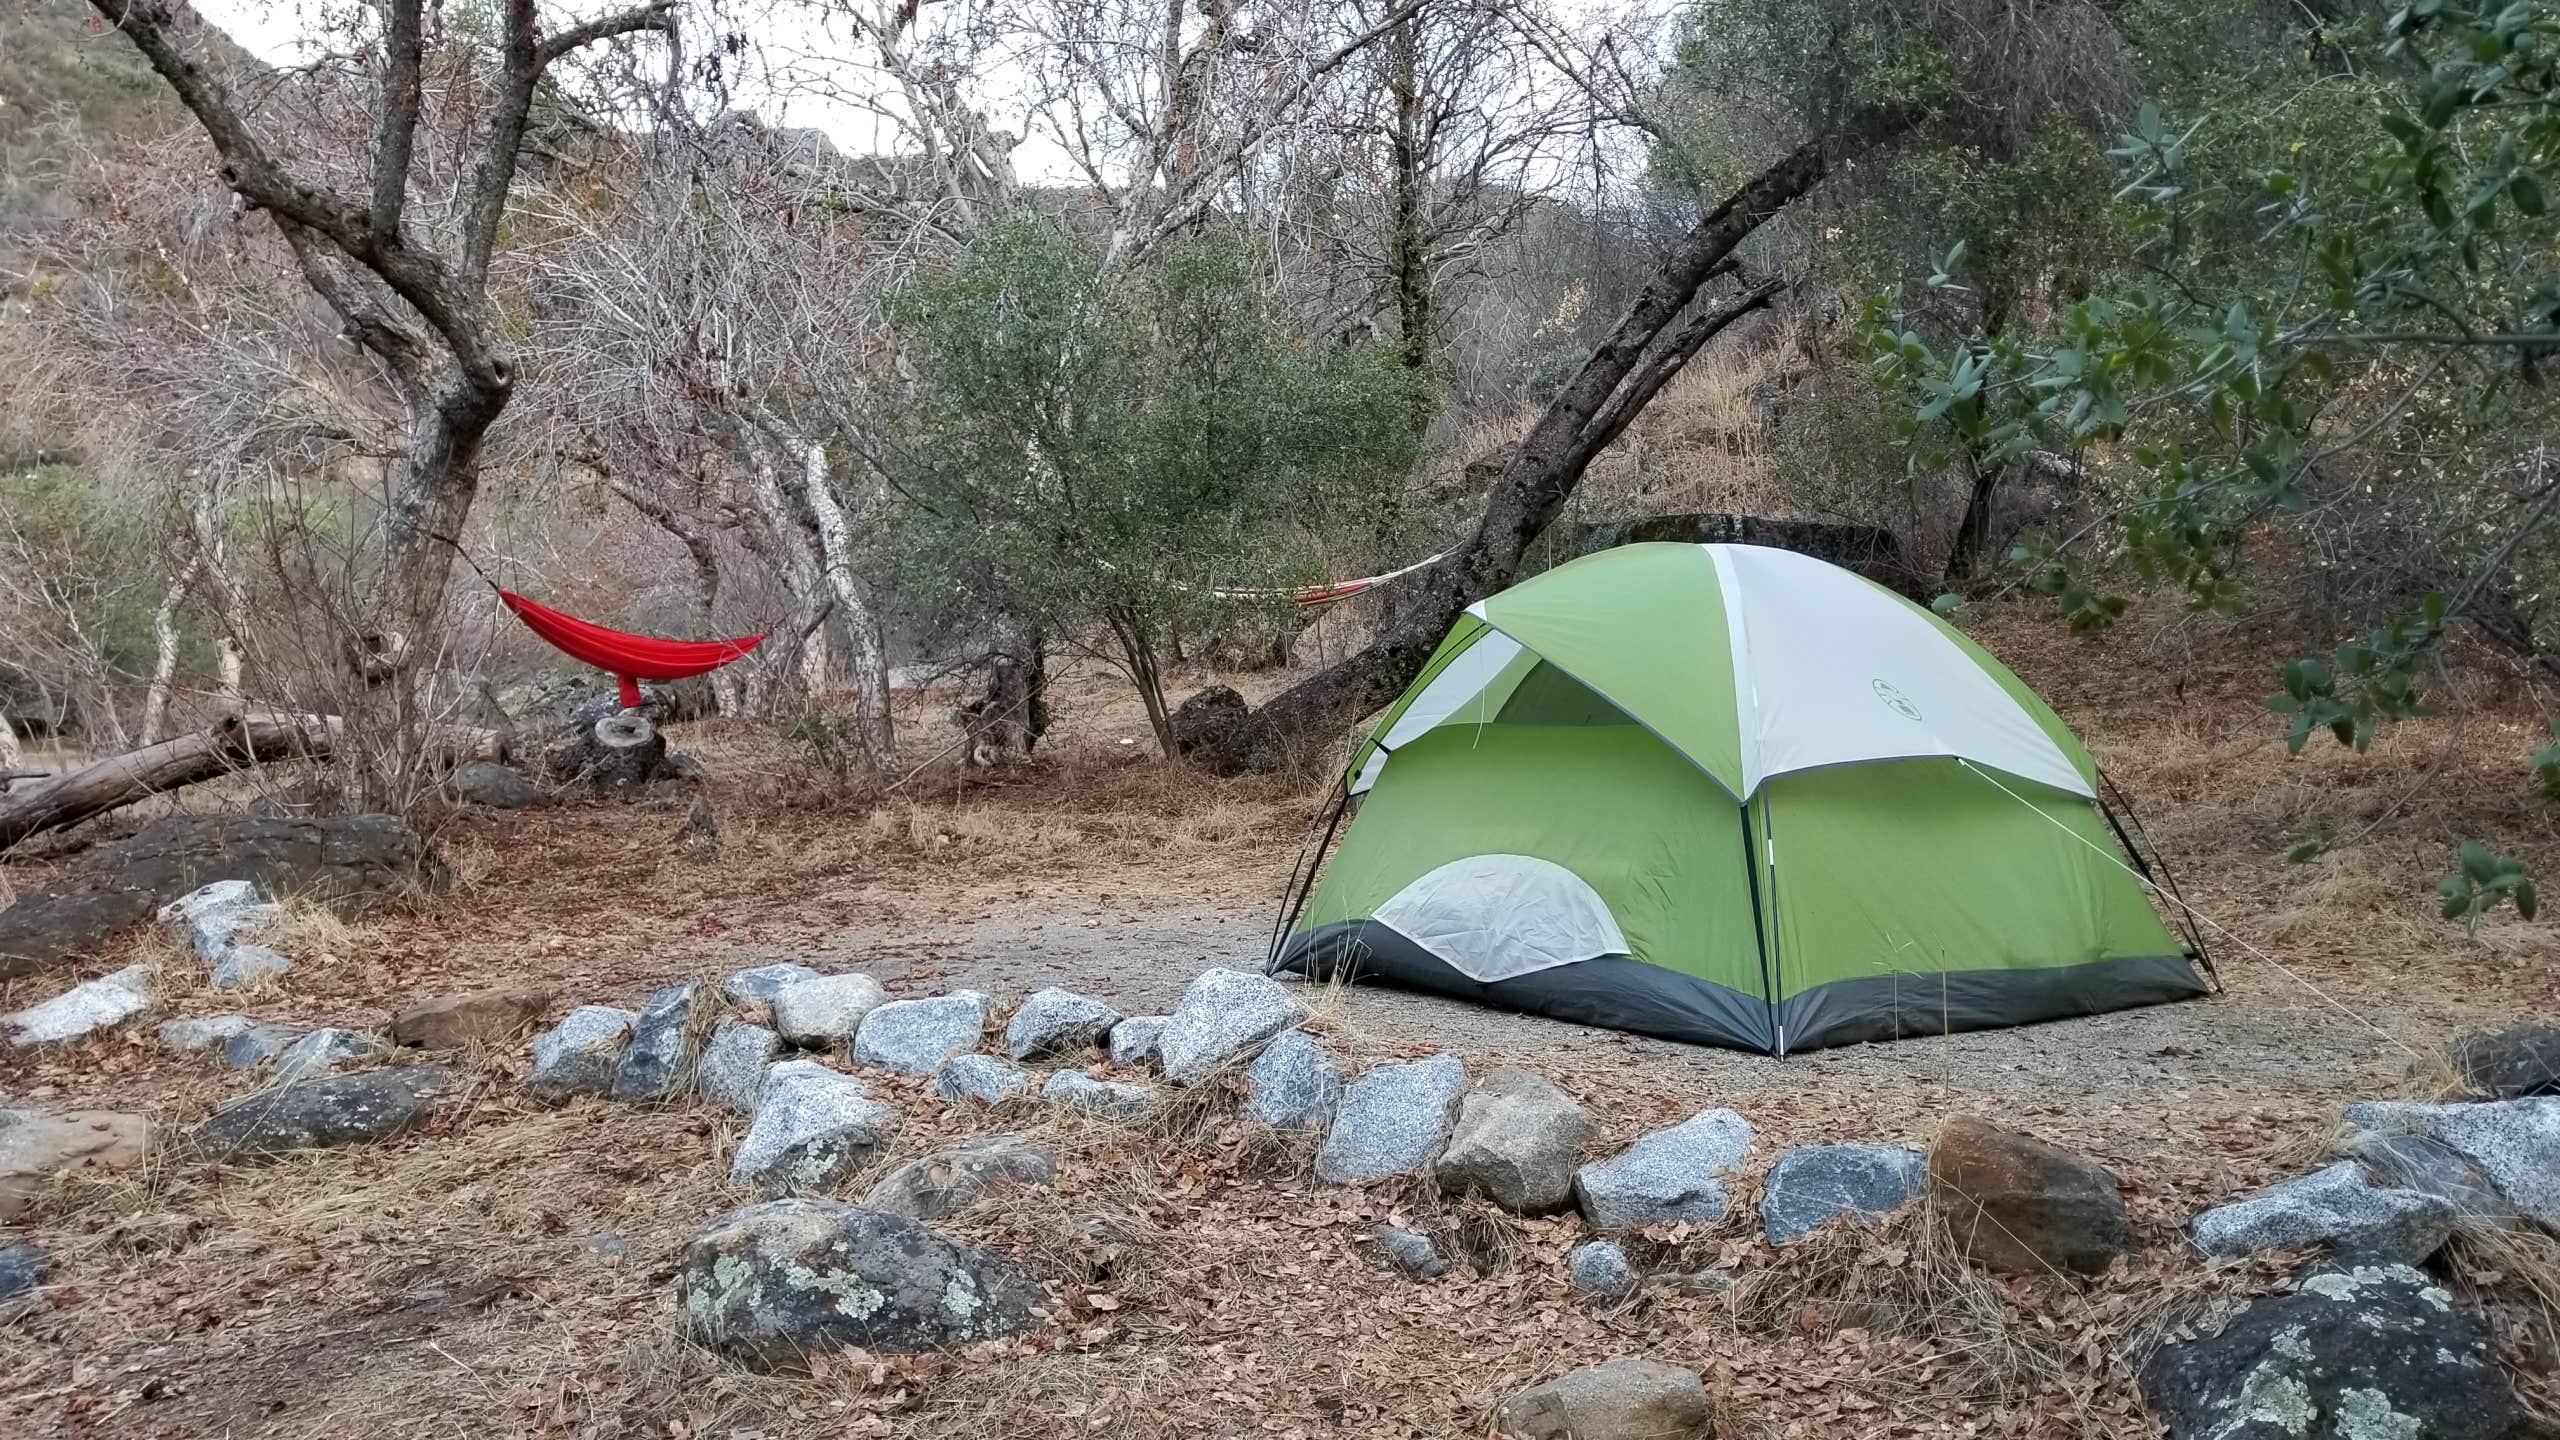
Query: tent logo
[[1895, 701]]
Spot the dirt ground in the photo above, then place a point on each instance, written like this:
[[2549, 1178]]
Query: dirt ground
[[508, 1272]]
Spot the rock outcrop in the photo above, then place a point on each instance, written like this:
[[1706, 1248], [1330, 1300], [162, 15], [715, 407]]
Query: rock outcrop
[[323, 1113], [1624, 1399], [773, 1283], [1668, 1176], [1813, 1186], [2336, 1208], [2016, 1204], [1057, 1023], [914, 1037], [1293, 1084], [1517, 1141], [1392, 1121], [2361, 1350], [1223, 1013]]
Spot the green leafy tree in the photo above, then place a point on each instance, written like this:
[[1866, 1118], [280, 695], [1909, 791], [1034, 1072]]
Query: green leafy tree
[[1094, 446], [2326, 341]]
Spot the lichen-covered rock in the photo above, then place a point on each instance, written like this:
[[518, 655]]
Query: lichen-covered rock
[[1293, 1084], [1222, 1013], [83, 1010], [2510, 1063], [1107, 1099], [1056, 1022], [2515, 1143], [983, 1078], [751, 992], [914, 1037], [2338, 1208], [324, 1051], [773, 1283], [201, 1033], [1811, 1187], [482, 1017], [1668, 1176], [2361, 1350], [1136, 1042], [323, 1113], [813, 1127], [656, 1064], [1411, 1252], [824, 1011], [38, 1146], [1392, 1121], [1599, 1270], [731, 1071], [1623, 1399], [255, 1046], [207, 920], [577, 1056], [1516, 1143], [2018, 1205], [952, 1179], [244, 965]]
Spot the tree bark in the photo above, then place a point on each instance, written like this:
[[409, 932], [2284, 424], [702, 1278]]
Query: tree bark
[[235, 742], [1538, 473], [164, 649], [774, 533], [870, 664], [1408, 249], [1009, 716]]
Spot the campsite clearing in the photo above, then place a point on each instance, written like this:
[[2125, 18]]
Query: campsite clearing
[[505, 1273]]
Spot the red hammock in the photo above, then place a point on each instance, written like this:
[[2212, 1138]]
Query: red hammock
[[630, 658]]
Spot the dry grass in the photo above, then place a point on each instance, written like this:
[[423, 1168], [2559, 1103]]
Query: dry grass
[[448, 1286]]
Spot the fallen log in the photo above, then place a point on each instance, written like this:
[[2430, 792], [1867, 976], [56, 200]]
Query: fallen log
[[235, 742]]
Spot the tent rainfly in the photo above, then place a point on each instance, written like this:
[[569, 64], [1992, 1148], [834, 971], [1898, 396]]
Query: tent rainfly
[[1736, 796]]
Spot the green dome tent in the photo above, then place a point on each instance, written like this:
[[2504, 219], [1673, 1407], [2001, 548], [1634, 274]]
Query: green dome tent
[[1737, 796]]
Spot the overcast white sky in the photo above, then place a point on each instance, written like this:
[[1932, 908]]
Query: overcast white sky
[[798, 57]]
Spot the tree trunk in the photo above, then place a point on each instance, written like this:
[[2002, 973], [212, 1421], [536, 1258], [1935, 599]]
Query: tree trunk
[[1973, 532], [439, 484], [774, 534], [164, 649], [1408, 250], [870, 665], [12, 756], [1136, 648], [235, 742], [1536, 475], [1009, 716]]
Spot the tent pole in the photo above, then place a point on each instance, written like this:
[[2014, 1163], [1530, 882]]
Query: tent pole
[[1759, 939], [1291, 904], [2186, 920]]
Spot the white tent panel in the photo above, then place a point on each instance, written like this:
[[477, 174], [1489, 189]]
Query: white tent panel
[[1493, 917], [1446, 697], [1831, 670]]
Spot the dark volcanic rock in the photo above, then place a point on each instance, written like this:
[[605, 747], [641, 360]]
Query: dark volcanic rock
[[350, 861], [2362, 1350], [772, 1283], [2509, 1064], [322, 1114]]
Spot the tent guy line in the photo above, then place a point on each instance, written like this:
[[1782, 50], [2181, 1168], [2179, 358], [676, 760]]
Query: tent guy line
[[2219, 928]]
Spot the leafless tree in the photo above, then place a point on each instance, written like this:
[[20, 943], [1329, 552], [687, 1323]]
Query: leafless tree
[[405, 268]]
